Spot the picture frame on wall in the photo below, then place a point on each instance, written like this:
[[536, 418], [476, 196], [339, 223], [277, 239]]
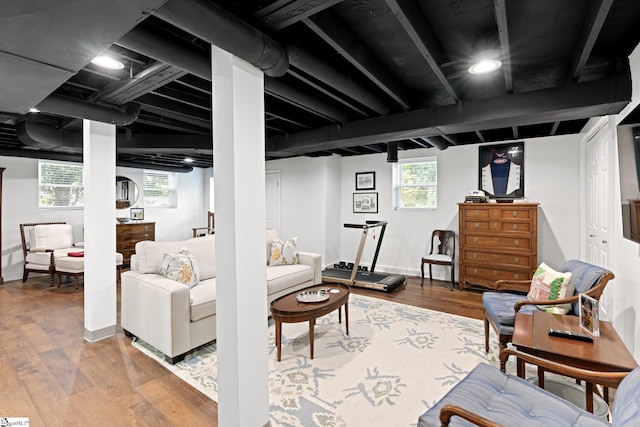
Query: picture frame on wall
[[589, 314], [501, 170], [137, 214], [365, 202], [365, 181]]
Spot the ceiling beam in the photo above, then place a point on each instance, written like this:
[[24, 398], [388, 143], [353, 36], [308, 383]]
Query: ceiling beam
[[414, 23], [596, 15], [333, 30], [284, 13], [570, 102], [500, 10]]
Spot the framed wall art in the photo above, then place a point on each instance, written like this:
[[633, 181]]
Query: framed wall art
[[365, 181], [365, 202], [501, 170]]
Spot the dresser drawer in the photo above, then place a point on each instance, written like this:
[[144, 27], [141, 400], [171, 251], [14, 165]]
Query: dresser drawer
[[498, 242], [136, 235], [515, 212], [476, 213], [490, 275], [478, 225], [498, 259]]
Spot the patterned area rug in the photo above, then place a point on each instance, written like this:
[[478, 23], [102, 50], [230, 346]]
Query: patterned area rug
[[397, 362]]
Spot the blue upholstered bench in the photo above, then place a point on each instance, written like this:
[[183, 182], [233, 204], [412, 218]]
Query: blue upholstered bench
[[489, 394]]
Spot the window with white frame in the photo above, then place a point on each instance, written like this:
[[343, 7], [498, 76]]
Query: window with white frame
[[61, 185], [159, 189], [415, 183]]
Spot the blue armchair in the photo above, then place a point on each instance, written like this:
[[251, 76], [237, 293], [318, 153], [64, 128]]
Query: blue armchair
[[489, 397], [500, 307]]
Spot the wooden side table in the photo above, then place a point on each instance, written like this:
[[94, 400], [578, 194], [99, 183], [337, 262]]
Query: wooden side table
[[607, 352]]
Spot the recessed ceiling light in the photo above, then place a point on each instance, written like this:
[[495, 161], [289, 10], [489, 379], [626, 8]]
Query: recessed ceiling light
[[485, 66], [33, 110], [107, 62], [188, 160]]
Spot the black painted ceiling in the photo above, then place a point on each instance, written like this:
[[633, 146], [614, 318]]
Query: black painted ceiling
[[359, 74]]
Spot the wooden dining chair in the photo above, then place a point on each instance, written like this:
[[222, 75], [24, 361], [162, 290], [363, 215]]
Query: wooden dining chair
[[209, 229], [443, 252]]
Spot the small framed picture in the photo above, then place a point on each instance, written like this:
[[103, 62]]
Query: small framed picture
[[589, 314], [365, 181], [365, 202], [137, 214]]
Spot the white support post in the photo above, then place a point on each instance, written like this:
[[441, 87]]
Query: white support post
[[99, 155], [241, 305]]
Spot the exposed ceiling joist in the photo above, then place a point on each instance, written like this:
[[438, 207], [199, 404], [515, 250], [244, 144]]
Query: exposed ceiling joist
[[500, 9], [284, 13]]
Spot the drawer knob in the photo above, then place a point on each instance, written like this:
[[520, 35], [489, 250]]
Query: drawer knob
[[517, 243], [515, 213], [475, 271], [475, 256], [475, 213], [495, 273], [516, 276], [495, 225], [517, 260], [495, 240], [515, 226], [495, 256], [476, 225], [475, 240], [146, 235]]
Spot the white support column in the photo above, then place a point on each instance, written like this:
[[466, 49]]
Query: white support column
[[241, 305], [99, 148]]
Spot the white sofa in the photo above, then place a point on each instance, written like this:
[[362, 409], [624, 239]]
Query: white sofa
[[174, 318]]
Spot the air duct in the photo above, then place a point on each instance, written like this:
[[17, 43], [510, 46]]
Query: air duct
[[392, 152], [218, 27], [70, 107], [437, 141]]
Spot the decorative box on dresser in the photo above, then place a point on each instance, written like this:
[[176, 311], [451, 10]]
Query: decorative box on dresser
[[498, 241], [130, 233]]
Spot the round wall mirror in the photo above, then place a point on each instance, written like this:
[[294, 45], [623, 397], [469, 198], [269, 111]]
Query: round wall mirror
[[126, 192]]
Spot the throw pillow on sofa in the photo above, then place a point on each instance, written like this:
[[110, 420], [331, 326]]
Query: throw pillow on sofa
[[284, 253], [181, 267], [549, 284]]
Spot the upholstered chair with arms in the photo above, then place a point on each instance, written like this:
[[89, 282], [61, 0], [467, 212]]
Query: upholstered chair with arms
[[42, 243], [489, 397], [500, 307], [443, 252]]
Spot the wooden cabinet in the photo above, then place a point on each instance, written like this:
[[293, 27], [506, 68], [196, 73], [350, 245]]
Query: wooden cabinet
[[634, 215], [497, 242], [128, 234]]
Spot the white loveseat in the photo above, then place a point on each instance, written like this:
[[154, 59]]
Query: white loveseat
[[174, 318]]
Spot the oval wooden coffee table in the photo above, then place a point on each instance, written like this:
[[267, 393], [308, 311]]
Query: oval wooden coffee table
[[288, 309]]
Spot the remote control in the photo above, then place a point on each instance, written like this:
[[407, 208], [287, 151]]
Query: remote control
[[570, 335]]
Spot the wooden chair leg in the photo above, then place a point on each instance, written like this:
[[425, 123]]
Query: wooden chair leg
[[430, 276], [453, 274], [486, 333], [421, 271]]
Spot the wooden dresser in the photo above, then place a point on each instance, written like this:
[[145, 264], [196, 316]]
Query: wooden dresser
[[128, 234], [498, 241]]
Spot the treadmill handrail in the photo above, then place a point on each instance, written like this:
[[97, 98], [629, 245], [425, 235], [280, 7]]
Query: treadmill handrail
[[369, 224]]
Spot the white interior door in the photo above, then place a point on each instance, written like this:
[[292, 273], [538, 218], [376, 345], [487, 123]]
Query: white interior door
[[598, 202], [272, 180]]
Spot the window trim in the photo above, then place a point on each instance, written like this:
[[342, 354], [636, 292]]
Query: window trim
[[397, 186], [172, 189]]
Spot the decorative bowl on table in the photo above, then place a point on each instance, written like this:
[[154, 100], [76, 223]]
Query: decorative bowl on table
[[122, 219]]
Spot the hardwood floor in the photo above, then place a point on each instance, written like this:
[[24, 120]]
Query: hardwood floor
[[49, 374]]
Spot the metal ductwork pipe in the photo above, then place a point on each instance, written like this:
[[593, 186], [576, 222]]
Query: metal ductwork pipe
[[44, 137], [392, 152], [218, 27], [70, 107]]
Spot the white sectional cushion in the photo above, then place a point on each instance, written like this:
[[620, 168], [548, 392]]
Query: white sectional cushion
[[51, 236], [202, 299], [285, 276], [203, 250], [45, 257], [150, 254]]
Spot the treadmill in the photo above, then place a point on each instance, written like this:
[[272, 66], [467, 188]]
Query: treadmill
[[361, 278]]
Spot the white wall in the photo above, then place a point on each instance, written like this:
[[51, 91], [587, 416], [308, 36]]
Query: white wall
[[20, 205]]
